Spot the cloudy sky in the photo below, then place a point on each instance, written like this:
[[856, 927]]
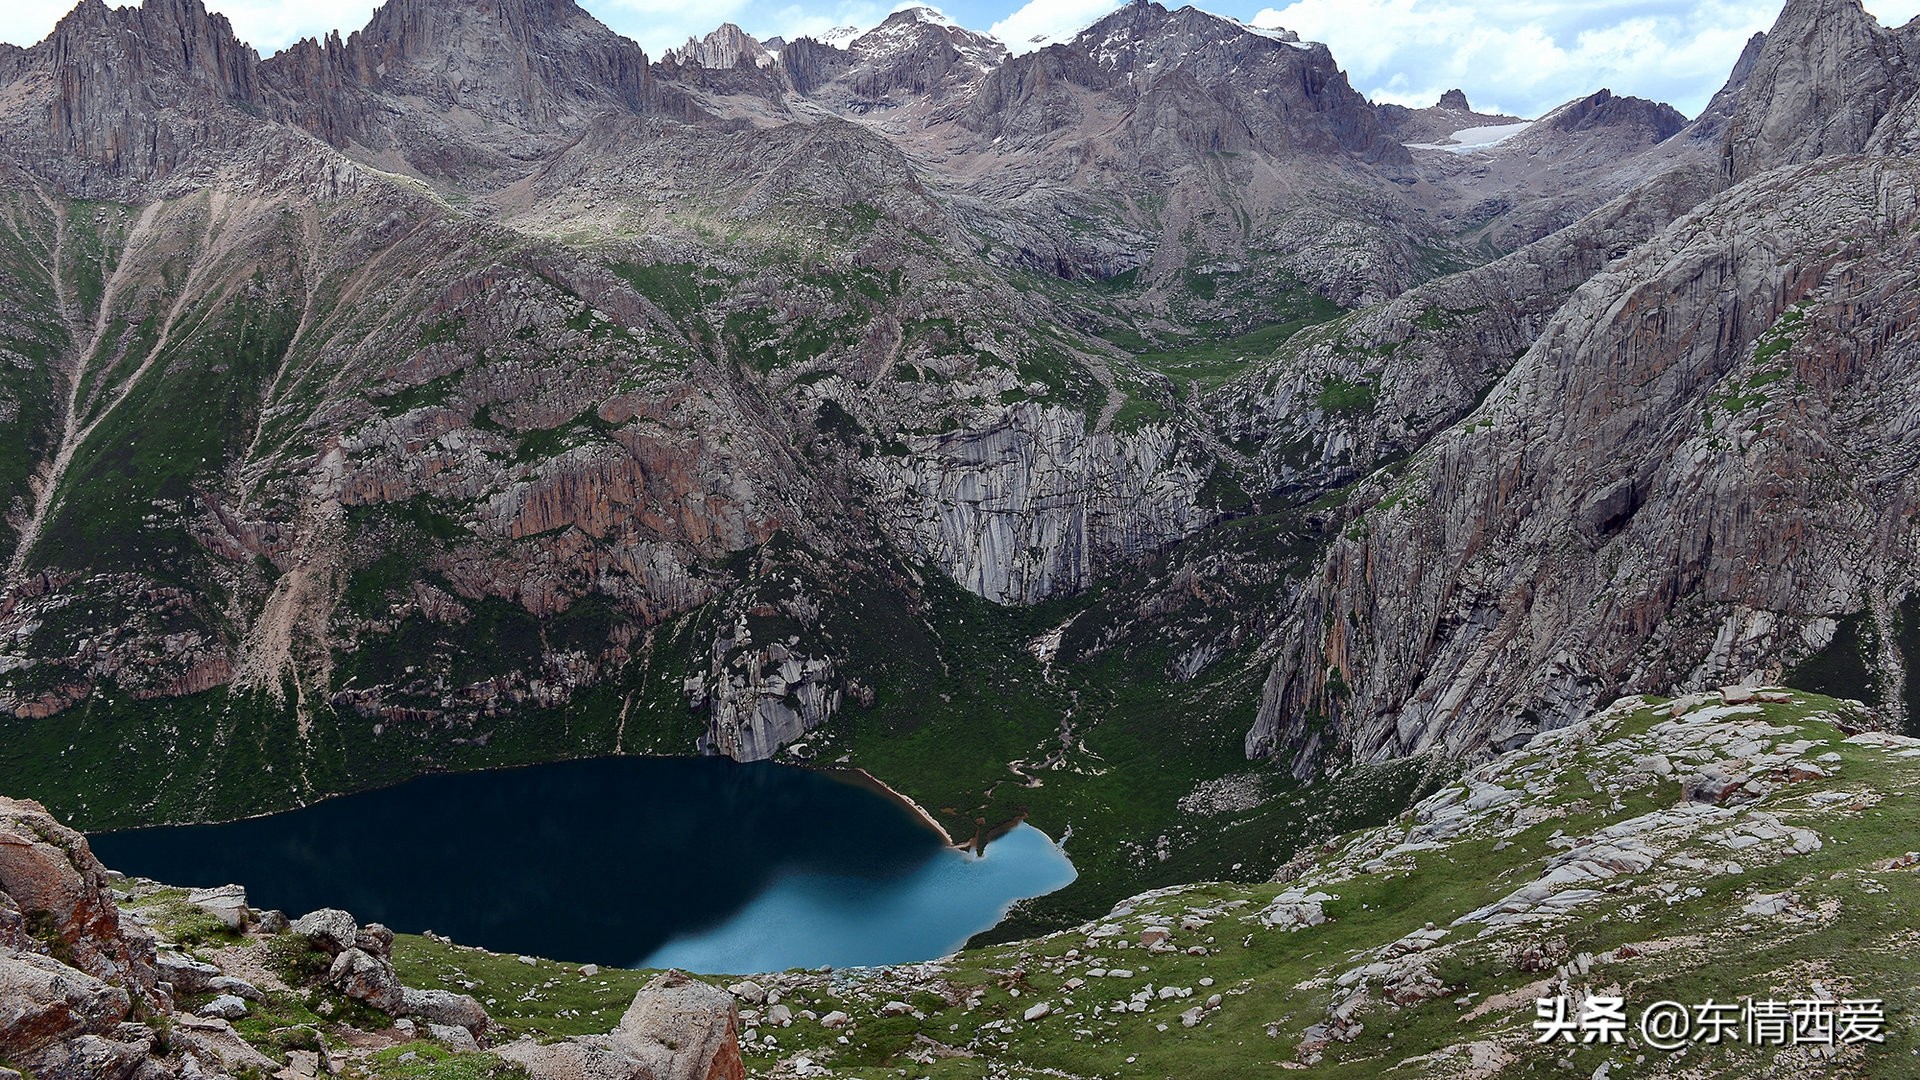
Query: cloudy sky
[[1523, 56]]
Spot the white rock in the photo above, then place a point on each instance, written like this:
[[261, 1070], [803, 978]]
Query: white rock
[[224, 1007], [457, 1038]]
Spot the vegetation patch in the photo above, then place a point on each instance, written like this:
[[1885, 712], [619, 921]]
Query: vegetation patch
[[1847, 667], [1344, 397]]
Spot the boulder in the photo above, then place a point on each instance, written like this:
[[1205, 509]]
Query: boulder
[[272, 921], [61, 901], [224, 1007], [446, 1008], [369, 979], [329, 928], [218, 1048], [458, 1038], [187, 975], [1713, 785], [676, 1029], [228, 903], [374, 940], [1297, 909], [240, 988], [44, 1003]]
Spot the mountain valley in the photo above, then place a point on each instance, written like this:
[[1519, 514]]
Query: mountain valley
[[1145, 436]]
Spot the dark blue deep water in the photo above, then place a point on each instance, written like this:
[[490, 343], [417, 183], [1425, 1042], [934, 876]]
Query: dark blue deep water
[[698, 863]]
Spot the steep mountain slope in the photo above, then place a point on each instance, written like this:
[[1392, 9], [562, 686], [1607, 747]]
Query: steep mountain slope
[[1696, 473], [317, 416]]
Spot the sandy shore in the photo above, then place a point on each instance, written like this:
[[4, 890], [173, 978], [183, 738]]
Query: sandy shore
[[867, 780]]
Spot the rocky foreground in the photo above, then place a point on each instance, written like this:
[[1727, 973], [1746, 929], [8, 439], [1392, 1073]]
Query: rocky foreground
[[1744, 844]]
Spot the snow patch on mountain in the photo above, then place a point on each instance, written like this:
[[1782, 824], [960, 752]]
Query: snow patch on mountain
[[1468, 140]]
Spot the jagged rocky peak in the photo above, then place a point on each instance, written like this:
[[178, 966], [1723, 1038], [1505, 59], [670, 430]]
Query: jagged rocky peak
[[122, 95], [1211, 82], [923, 29], [1711, 125], [1144, 34], [916, 51], [1823, 80], [726, 47], [1653, 120], [530, 62], [1454, 99]]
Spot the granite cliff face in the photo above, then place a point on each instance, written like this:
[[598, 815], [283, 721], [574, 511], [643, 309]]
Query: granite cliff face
[[1828, 76], [128, 96], [1700, 469]]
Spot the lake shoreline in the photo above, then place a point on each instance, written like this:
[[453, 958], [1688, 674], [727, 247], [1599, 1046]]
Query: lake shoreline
[[859, 777]]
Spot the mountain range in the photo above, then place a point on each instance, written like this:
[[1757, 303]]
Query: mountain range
[[476, 388]]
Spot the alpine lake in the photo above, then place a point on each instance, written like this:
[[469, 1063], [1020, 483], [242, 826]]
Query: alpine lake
[[702, 864]]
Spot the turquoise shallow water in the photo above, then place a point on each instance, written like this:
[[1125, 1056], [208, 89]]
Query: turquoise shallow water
[[699, 863], [808, 918]]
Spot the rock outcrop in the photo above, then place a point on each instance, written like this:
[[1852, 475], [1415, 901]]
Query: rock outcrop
[[676, 1029], [73, 979], [1826, 76], [1713, 524], [61, 904], [361, 968]]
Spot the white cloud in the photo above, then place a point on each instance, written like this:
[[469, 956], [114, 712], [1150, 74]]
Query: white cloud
[[24, 22], [1527, 56], [796, 20], [1894, 12], [271, 25], [1042, 22]]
